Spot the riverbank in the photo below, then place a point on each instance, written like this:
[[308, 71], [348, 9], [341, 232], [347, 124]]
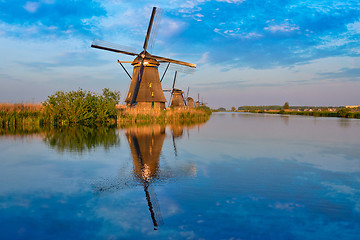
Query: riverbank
[[342, 113], [27, 117], [183, 116]]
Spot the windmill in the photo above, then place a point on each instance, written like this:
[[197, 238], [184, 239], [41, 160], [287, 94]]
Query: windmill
[[176, 98], [197, 103], [145, 89], [189, 100]]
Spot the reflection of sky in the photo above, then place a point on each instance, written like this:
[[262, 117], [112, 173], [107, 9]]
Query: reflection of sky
[[257, 177]]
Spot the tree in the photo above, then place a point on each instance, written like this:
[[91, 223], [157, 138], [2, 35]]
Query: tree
[[343, 112], [286, 105]]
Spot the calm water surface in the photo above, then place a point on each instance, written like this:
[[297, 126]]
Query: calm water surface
[[237, 176]]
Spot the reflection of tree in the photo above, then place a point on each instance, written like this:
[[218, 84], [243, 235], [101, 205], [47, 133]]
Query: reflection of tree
[[80, 138], [345, 123]]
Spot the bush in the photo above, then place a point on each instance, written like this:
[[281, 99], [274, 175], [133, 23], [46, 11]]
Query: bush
[[81, 107], [343, 112]]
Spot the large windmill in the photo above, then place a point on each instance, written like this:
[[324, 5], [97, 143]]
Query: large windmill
[[145, 89]]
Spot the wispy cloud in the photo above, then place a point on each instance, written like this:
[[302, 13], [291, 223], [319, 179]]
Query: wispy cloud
[[31, 7], [349, 74]]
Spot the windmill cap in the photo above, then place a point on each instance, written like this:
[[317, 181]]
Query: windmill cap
[[147, 59]]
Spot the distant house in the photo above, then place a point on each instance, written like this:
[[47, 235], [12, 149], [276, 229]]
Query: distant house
[[352, 106]]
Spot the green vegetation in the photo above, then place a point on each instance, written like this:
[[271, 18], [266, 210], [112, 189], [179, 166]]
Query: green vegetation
[[221, 109], [304, 110], [81, 107], [81, 138], [84, 108], [286, 105]]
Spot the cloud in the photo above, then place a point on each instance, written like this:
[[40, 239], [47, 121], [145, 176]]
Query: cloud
[[66, 18], [32, 6], [285, 27], [66, 59], [204, 58], [231, 1], [349, 74]]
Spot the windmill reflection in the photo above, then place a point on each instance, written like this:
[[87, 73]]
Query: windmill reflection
[[177, 131], [145, 145]]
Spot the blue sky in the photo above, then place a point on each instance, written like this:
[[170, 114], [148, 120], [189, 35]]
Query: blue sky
[[248, 52]]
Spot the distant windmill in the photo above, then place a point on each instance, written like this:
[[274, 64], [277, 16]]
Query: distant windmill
[[189, 100], [197, 104], [145, 88], [177, 96]]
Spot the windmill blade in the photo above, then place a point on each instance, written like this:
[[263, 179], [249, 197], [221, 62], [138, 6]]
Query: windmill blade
[[165, 72], [138, 81], [173, 86], [174, 61], [113, 185], [171, 96], [187, 94], [182, 95], [113, 47], [176, 67], [153, 205], [174, 144], [155, 28], [172, 89], [149, 29]]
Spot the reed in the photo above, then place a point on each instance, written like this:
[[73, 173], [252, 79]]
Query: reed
[[183, 116], [20, 114]]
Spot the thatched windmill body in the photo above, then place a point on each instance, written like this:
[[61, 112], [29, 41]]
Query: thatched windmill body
[[145, 89], [189, 100], [177, 99]]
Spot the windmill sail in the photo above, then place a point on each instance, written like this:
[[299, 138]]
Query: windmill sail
[[113, 47], [155, 28]]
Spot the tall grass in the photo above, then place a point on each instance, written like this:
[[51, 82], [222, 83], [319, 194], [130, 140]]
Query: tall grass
[[88, 109], [20, 114], [182, 116]]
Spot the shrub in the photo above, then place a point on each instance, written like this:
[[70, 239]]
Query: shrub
[[81, 107]]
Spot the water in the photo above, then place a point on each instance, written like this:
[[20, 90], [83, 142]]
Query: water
[[237, 176]]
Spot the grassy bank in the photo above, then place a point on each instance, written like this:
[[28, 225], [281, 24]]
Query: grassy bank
[[23, 114], [342, 113], [24, 118], [182, 116]]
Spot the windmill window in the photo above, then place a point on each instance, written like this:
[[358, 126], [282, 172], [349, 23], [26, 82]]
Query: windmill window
[[149, 84], [152, 104], [152, 94]]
